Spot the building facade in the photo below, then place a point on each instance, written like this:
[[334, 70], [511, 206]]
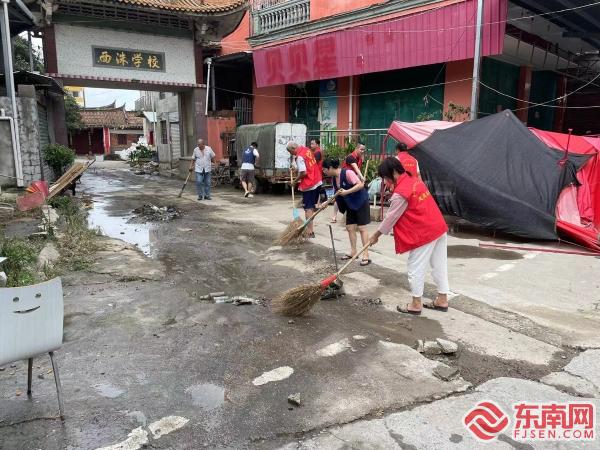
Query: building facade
[[105, 130], [360, 64], [78, 93]]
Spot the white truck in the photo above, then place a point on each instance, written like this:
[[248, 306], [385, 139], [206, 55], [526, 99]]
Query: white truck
[[274, 164]]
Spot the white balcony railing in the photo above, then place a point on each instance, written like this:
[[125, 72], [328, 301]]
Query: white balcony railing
[[272, 15]]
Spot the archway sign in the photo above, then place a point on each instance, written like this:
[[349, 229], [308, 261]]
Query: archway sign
[[150, 45]]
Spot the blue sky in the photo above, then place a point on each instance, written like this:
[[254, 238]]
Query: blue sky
[[101, 97]]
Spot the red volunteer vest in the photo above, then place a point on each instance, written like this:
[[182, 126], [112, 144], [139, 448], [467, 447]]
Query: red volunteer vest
[[408, 162], [312, 169], [422, 222], [359, 160]]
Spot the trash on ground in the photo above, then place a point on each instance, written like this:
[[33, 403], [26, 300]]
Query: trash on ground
[[294, 399], [152, 213]]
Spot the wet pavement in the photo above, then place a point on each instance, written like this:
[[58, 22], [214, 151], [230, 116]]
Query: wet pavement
[[145, 350]]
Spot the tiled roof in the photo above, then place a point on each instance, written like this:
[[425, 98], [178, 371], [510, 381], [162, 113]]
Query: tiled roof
[[111, 118], [191, 6]]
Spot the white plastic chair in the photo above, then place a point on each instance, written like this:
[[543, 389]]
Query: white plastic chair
[[31, 323]]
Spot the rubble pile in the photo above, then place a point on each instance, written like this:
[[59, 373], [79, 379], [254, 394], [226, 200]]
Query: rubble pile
[[152, 213], [148, 168]]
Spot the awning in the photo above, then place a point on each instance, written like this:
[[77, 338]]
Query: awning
[[150, 116], [434, 36]]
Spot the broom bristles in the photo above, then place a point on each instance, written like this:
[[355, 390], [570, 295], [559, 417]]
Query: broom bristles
[[297, 301], [292, 234]]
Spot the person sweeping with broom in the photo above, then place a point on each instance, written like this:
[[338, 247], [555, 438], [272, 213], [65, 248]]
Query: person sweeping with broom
[[353, 200], [310, 180], [420, 229]]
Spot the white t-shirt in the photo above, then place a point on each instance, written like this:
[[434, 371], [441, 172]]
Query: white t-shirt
[[203, 159], [250, 166]]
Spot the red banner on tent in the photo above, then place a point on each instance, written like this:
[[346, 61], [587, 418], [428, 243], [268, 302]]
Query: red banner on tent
[[438, 35]]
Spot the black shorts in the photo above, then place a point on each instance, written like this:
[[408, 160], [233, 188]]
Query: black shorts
[[310, 198], [360, 217]]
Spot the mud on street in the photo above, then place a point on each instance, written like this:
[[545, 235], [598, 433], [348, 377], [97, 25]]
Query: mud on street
[[146, 361]]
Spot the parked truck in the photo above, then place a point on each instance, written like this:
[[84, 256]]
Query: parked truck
[[274, 164]]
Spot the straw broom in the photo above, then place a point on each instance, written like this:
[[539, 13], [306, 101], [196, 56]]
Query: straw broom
[[297, 234], [297, 221], [301, 299]]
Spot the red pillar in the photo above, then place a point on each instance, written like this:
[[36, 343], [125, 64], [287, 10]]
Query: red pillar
[[524, 91], [106, 140]]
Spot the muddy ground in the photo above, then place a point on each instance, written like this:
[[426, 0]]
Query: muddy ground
[[140, 344]]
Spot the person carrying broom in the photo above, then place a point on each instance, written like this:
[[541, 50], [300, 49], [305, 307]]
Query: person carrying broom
[[420, 229], [353, 200], [310, 180]]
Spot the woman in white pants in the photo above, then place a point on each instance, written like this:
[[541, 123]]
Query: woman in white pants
[[419, 228]]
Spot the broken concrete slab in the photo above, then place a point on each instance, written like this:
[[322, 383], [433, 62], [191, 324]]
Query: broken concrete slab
[[446, 373], [587, 366], [121, 259], [482, 336], [432, 348], [439, 425], [448, 347], [334, 349], [572, 384], [48, 256]]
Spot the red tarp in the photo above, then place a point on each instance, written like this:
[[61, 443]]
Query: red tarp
[[578, 207], [438, 35]]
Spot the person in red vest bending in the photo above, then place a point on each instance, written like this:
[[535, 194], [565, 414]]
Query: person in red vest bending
[[409, 163], [420, 229], [315, 147], [309, 180], [353, 161]]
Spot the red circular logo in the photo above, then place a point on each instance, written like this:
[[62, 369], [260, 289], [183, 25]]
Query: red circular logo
[[486, 421]]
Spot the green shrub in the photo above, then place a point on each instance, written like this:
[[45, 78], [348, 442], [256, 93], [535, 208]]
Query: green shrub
[[141, 152], [58, 157], [336, 151], [64, 205], [20, 265]]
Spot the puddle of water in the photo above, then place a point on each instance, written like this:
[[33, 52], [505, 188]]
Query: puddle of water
[[207, 396], [108, 390], [116, 227]]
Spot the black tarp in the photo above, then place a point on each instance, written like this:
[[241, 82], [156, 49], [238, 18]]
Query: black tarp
[[494, 172]]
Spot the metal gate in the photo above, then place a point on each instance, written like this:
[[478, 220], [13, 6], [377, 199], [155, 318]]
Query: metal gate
[[44, 140], [243, 111], [175, 141]]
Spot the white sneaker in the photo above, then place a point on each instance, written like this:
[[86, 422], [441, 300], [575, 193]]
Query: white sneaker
[[250, 195]]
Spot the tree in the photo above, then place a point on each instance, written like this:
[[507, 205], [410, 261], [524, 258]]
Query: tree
[[21, 56], [72, 114]]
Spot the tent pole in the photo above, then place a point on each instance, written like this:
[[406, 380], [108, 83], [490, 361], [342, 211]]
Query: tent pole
[[476, 62]]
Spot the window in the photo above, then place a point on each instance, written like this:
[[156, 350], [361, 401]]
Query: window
[[163, 132], [75, 94], [161, 95], [121, 139]]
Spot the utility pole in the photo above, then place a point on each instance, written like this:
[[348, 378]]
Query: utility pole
[[476, 62]]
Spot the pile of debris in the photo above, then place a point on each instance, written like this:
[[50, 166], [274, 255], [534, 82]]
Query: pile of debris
[[152, 213], [148, 168]]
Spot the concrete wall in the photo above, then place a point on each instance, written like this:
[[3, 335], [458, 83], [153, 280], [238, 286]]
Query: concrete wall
[[458, 93], [167, 112], [74, 53], [28, 134], [269, 104], [216, 126]]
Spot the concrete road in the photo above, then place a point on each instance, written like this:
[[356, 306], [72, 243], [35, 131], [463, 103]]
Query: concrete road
[[147, 363]]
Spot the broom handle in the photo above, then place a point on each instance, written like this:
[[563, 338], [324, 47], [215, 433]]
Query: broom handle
[[366, 169], [322, 208], [292, 184], [351, 260]]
